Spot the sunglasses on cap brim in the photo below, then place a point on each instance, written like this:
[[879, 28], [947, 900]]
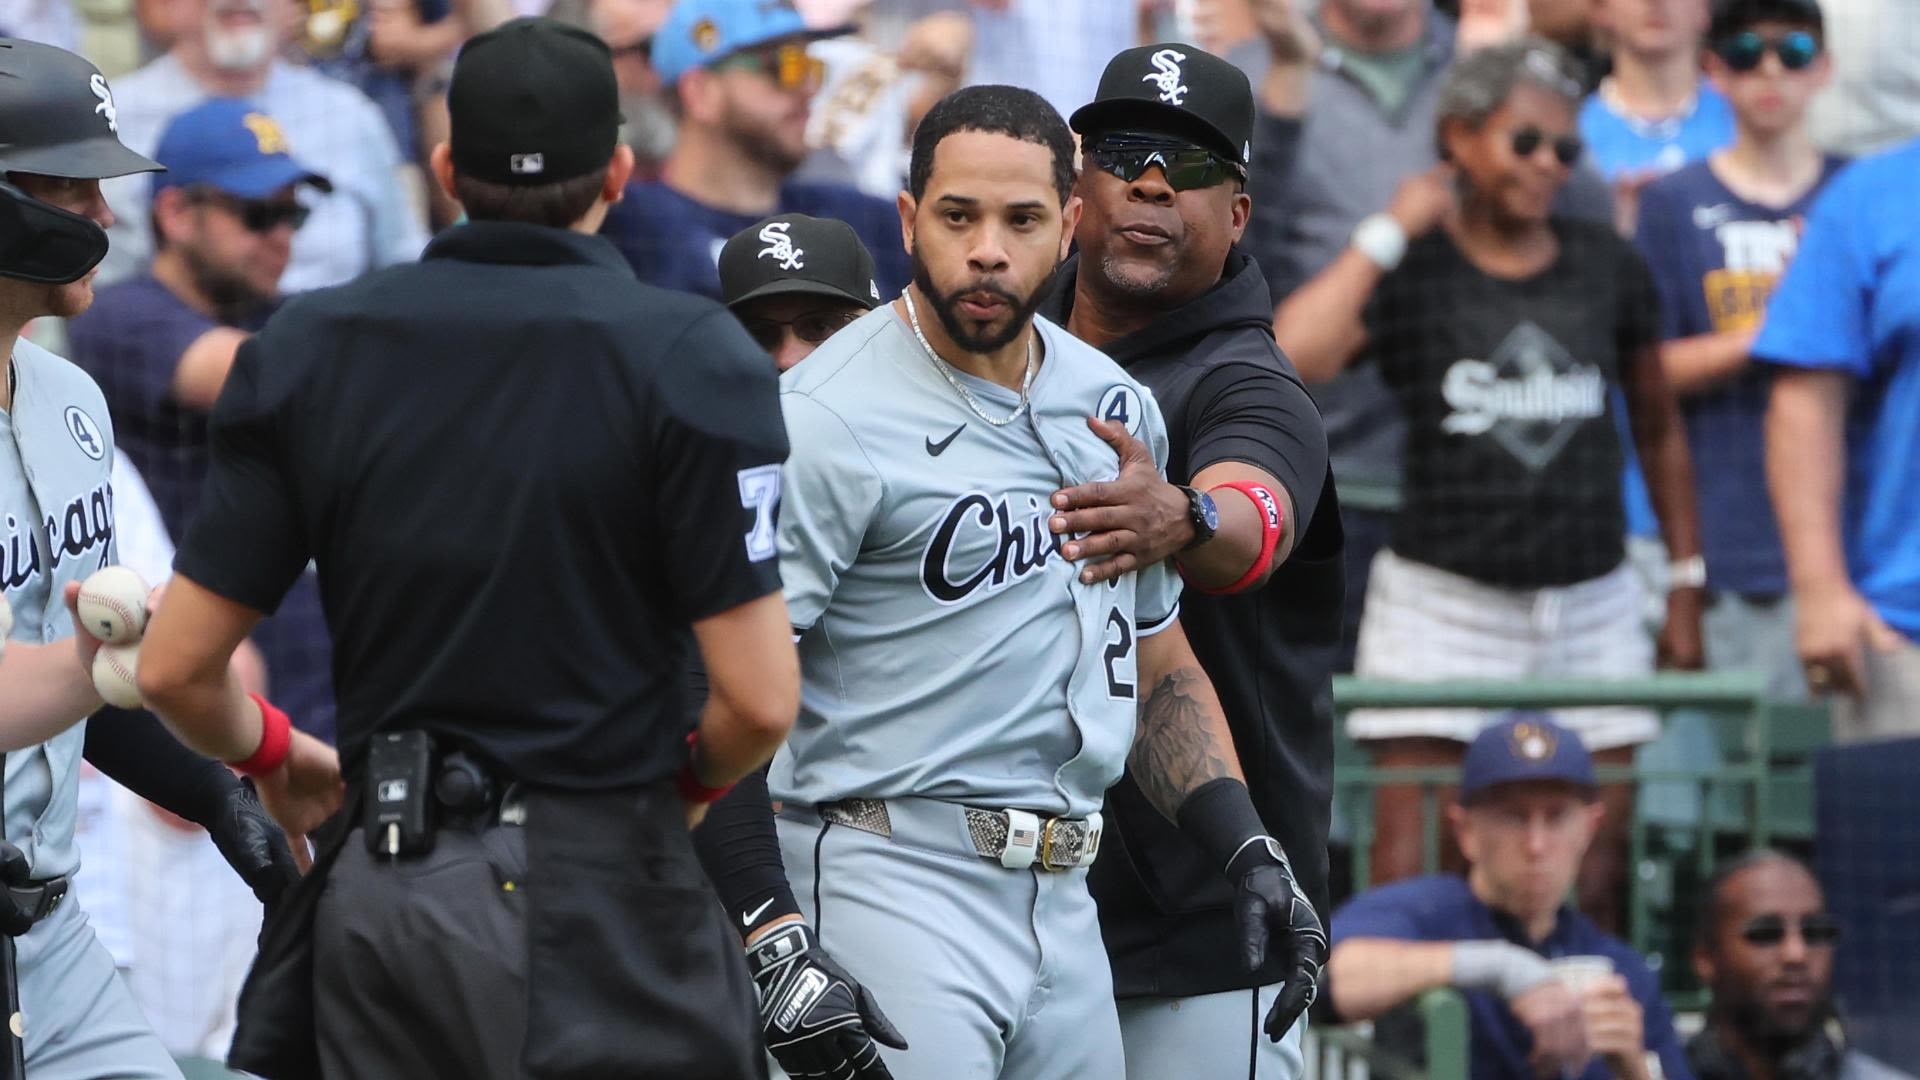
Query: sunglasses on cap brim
[[1186, 167], [1743, 51]]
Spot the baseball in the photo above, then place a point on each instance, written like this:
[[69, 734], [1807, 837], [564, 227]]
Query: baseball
[[113, 674], [113, 605]]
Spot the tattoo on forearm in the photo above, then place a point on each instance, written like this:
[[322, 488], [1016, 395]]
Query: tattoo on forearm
[[1175, 750]]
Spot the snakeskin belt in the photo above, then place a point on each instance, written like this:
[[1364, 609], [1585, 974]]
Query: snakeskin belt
[[1017, 839]]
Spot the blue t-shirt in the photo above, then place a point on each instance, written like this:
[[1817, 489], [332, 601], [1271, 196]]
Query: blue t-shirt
[[1441, 907], [674, 242], [1716, 259], [131, 341], [1851, 303], [1617, 144]]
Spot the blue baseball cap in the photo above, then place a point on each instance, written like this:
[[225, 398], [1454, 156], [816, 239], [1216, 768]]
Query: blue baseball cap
[[1524, 745], [231, 146], [699, 32]]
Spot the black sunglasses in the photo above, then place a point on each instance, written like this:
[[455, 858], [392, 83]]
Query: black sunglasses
[[1768, 930], [1566, 148], [259, 215], [813, 328], [1186, 168], [1744, 51]]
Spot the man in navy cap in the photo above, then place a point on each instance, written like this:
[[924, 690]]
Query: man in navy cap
[[160, 343], [1549, 993], [741, 83]]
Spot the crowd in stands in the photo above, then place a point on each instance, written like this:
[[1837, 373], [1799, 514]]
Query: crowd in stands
[[1612, 310]]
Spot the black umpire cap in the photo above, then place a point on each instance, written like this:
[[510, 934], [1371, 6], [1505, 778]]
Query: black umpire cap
[[533, 101], [793, 254], [1174, 89]]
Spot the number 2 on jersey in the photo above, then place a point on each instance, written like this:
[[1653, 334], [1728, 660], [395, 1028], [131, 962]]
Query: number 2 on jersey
[[1119, 650]]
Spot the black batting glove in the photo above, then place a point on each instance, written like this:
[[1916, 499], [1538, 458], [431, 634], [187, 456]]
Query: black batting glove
[[1269, 903], [252, 843], [820, 1024]]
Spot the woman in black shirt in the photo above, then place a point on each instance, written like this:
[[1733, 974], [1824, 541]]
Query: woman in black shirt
[[1511, 338]]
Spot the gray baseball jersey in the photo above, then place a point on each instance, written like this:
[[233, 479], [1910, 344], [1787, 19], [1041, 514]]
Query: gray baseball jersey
[[947, 649], [56, 526]]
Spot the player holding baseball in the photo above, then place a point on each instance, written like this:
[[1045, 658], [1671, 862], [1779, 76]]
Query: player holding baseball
[[56, 528], [967, 698]]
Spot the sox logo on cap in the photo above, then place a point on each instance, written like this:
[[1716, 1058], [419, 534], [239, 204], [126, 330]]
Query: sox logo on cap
[[780, 246], [1167, 75]]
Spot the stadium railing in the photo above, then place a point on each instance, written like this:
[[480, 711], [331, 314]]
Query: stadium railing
[[1348, 1052]]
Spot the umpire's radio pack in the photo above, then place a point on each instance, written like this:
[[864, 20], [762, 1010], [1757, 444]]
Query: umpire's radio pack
[[399, 793]]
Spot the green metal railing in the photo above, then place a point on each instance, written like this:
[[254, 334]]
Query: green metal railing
[[1444, 1043]]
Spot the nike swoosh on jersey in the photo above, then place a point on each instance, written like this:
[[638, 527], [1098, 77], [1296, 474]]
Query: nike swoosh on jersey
[[747, 919], [938, 448]]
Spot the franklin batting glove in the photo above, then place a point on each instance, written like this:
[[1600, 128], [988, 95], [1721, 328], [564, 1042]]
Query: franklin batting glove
[[820, 1024], [1269, 901], [252, 843]]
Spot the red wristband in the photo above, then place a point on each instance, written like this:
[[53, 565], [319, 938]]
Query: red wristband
[[276, 737], [691, 789], [1273, 521]]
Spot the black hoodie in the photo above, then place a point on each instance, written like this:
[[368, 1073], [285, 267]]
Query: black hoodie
[[1229, 394]]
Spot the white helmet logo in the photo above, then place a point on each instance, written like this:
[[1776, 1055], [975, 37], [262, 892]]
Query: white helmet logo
[[99, 86], [780, 246], [1166, 75]]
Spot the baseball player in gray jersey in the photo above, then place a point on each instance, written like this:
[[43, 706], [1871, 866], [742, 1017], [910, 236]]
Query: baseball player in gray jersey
[[57, 139], [968, 695]]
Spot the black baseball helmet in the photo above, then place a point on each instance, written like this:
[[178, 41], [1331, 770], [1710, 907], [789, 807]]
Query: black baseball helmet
[[57, 118]]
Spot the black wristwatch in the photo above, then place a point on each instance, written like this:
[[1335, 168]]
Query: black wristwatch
[[1204, 515]]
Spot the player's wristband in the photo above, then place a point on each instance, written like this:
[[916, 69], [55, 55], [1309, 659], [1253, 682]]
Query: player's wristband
[[1273, 522], [691, 789], [276, 738], [1220, 817]]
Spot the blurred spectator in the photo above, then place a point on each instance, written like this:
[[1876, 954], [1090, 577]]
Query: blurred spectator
[[1843, 442], [161, 343], [1056, 48], [1874, 101], [1366, 110], [384, 48], [794, 281], [1764, 946], [228, 48], [1717, 235], [1504, 331], [49, 22], [871, 99], [628, 26], [1655, 111], [742, 80], [1548, 993]]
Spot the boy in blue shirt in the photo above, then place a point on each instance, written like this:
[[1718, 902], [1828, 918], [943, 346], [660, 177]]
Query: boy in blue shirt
[[1717, 235], [1843, 442], [1526, 814]]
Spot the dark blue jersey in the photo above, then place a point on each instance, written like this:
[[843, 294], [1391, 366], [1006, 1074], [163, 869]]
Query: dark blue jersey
[[1442, 908]]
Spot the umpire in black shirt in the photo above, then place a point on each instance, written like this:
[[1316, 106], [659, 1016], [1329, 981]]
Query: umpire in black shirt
[[531, 484], [1251, 518]]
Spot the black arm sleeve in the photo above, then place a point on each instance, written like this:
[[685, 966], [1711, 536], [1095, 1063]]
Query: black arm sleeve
[[133, 749], [740, 851]]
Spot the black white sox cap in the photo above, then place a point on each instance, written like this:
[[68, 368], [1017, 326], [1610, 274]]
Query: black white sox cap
[[1177, 89], [789, 254]]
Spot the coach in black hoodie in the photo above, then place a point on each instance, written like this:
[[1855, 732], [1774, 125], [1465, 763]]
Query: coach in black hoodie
[[1251, 519]]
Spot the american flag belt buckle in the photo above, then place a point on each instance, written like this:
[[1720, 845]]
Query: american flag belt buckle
[[1054, 845]]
